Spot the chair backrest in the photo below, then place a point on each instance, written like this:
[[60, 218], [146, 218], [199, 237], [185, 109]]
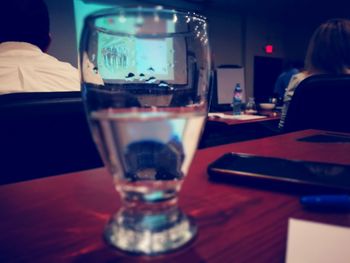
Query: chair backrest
[[44, 134], [320, 102]]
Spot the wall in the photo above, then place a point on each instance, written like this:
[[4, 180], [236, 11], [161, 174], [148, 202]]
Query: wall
[[225, 33], [236, 39], [63, 45], [296, 41], [259, 32]]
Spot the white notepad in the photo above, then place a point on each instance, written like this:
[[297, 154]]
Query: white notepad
[[310, 242], [235, 117]]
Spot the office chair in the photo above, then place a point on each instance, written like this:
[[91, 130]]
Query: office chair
[[320, 102], [44, 134]]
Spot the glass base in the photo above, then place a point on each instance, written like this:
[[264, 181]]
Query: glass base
[[149, 233]]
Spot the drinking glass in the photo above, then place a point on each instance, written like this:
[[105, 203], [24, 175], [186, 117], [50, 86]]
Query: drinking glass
[[250, 107], [145, 74]]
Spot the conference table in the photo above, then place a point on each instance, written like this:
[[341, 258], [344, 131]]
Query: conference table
[[61, 218], [261, 116], [223, 128]]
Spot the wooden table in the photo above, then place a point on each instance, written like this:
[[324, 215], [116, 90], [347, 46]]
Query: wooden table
[[220, 131], [270, 115], [61, 219]]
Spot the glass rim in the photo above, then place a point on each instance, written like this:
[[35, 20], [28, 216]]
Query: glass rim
[[129, 10]]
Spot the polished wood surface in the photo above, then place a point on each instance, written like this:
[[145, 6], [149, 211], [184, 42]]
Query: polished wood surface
[[61, 219]]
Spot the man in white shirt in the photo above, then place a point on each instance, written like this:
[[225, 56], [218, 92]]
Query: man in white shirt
[[24, 39]]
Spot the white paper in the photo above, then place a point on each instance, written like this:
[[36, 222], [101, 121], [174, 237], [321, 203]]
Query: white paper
[[235, 117], [310, 242]]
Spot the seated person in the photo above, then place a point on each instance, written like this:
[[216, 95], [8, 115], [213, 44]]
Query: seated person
[[24, 39], [328, 53], [291, 68]]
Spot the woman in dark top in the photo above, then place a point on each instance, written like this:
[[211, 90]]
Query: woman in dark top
[[328, 53]]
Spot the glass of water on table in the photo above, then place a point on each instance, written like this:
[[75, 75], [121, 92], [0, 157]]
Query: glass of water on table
[[145, 75]]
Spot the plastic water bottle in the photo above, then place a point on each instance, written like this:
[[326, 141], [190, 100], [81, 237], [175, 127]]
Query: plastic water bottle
[[237, 100]]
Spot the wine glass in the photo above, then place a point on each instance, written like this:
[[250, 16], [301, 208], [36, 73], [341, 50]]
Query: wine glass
[[145, 74]]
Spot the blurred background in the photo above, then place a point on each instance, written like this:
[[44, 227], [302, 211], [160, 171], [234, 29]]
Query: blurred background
[[256, 35]]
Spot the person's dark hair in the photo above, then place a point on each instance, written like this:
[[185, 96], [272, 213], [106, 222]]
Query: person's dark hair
[[329, 48], [25, 21]]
